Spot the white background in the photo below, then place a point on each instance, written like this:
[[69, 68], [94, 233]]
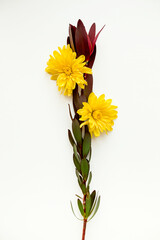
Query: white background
[[37, 179]]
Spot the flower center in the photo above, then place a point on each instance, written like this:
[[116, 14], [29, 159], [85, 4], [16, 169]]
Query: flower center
[[97, 115], [67, 71]]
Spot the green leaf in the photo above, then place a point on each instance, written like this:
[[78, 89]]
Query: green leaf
[[77, 173], [93, 204], [90, 153], [76, 163], [88, 205], [80, 181], [71, 137], [80, 206], [96, 208], [84, 168], [83, 188], [78, 196], [87, 189], [74, 212], [89, 179], [86, 144], [93, 195], [76, 153], [77, 131]]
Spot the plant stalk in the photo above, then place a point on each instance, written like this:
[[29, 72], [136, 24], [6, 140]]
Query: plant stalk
[[84, 228], [84, 220]]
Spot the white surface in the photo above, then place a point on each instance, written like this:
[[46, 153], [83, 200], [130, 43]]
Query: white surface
[[37, 178]]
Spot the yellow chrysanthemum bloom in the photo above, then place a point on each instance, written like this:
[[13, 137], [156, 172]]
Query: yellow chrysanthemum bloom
[[98, 114], [67, 69]]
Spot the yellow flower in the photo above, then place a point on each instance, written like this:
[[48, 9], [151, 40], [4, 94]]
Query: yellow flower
[[67, 69], [98, 114]]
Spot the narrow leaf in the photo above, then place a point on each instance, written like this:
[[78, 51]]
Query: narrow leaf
[[80, 182], [70, 112], [82, 98], [88, 205], [74, 212], [80, 206], [72, 30], [93, 195], [90, 154], [76, 163], [92, 32], [87, 189], [94, 42], [78, 196], [96, 208], [90, 45], [77, 173], [84, 168], [93, 205], [68, 41], [77, 131], [75, 99], [71, 137], [89, 179], [83, 188], [76, 153], [86, 144], [88, 88], [81, 40], [78, 99], [92, 58]]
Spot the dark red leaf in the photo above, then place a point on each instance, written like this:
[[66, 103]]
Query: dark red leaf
[[92, 58], [90, 45], [78, 99], [72, 30], [81, 40], [68, 41], [92, 32], [75, 97], [88, 88], [82, 99], [94, 42]]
